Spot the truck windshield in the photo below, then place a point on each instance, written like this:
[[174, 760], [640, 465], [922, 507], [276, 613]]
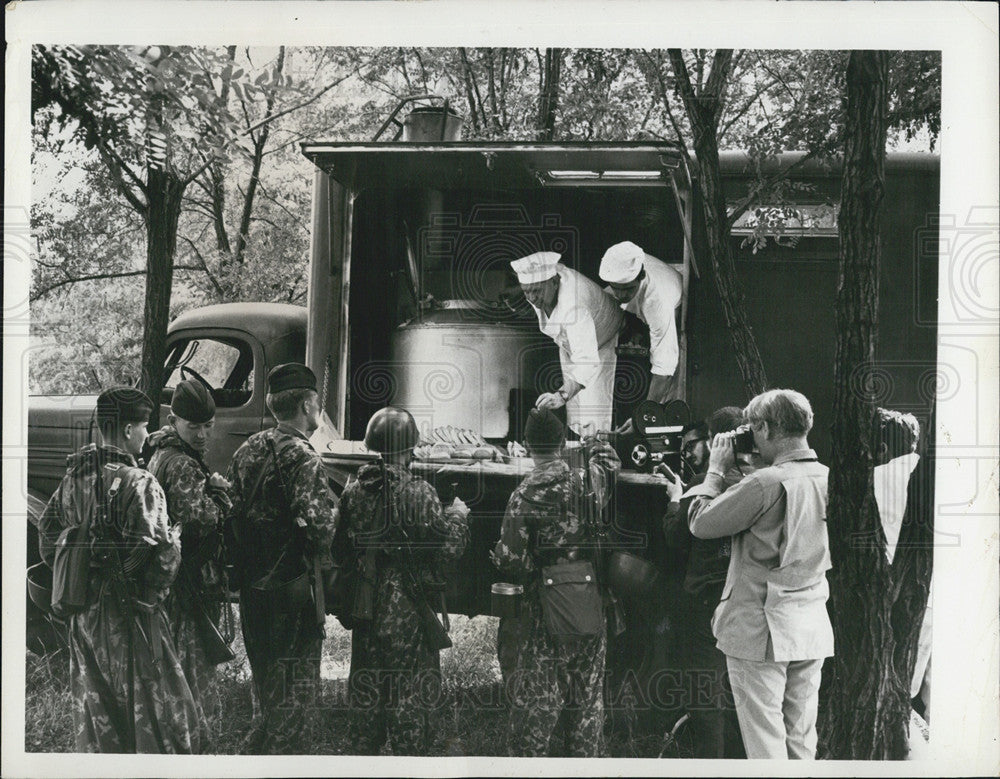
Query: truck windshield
[[225, 366]]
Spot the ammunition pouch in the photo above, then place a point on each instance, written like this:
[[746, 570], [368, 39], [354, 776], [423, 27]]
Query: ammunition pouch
[[351, 598]]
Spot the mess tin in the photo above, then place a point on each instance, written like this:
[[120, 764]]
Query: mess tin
[[630, 575], [506, 599], [40, 586]]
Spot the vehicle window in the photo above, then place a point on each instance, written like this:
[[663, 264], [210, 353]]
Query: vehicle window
[[225, 366]]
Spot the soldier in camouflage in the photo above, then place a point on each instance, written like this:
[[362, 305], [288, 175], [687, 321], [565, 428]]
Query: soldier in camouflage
[[284, 523], [546, 524], [395, 678], [197, 500], [129, 691]]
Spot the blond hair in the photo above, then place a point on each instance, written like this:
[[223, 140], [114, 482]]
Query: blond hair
[[787, 412]]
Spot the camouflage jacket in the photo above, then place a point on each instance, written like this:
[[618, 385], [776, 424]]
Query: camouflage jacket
[[551, 516], [137, 524], [192, 504], [292, 517], [436, 535]]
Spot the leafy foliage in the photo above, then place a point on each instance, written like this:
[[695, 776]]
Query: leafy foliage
[[154, 105]]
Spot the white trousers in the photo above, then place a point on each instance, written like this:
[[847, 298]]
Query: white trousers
[[776, 706]]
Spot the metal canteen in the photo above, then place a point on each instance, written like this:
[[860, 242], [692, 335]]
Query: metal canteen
[[505, 599]]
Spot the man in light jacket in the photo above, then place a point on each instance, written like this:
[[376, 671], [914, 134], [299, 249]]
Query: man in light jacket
[[772, 622]]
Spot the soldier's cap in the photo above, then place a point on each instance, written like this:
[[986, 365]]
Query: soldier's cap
[[124, 405], [621, 263], [544, 431], [291, 375], [192, 401]]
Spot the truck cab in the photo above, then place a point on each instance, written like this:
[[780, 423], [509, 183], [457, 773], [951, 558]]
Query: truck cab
[[230, 347]]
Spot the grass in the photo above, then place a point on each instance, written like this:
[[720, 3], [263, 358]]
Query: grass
[[473, 719], [48, 714]]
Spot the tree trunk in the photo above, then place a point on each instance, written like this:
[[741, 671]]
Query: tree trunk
[[165, 191], [217, 178], [259, 142], [548, 95], [703, 112], [217, 181], [868, 706], [734, 307]]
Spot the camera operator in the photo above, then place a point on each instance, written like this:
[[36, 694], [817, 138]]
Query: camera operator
[[772, 622], [705, 563]]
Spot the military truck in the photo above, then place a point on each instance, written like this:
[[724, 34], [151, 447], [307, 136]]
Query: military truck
[[412, 301]]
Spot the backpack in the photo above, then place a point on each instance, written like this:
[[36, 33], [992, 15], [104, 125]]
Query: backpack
[[239, 567], [351, 598], [569, 593], [346, 579], [234, 529], [71, 563]]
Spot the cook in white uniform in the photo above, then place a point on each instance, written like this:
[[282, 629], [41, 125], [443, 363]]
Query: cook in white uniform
[[584, 322], [652, 290]]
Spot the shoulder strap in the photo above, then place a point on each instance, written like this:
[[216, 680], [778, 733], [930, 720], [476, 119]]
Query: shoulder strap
[[139, 556], [259, 480], [104, 497], [277, 466]]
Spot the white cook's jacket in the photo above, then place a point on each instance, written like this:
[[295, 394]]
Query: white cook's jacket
[[584, 325], [654, 303]]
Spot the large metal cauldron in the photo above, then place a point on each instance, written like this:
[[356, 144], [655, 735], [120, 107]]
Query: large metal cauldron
[[454, 366]]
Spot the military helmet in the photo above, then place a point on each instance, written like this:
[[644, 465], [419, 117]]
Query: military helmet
[[391, 430]]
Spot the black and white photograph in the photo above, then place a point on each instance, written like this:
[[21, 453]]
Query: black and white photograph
[[420, 388]]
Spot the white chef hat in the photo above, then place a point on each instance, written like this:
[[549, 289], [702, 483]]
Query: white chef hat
[[536, 267], [621, 263]]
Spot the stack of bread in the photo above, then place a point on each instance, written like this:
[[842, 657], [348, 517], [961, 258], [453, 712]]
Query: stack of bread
[[449, 442]]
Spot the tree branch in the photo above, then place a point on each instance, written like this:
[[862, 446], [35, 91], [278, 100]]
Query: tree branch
[[297, 218], [746, 107], [765, 186], [304, 103], [718, 77], [99, 276], [204, 267], [115, 165], [475, 86], [681, 75], [655, 66]]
